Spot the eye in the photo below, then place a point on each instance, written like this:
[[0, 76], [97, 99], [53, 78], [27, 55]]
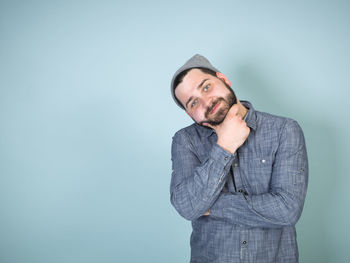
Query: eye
[[206, 87], [194, 102]]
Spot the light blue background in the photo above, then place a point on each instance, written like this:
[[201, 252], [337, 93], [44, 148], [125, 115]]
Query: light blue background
[[86, 118]]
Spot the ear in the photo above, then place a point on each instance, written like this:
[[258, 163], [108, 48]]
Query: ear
[[223, 78]]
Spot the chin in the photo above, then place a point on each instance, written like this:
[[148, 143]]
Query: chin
[[219, 116]]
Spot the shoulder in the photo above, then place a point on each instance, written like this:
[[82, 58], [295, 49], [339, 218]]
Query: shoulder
[[270, 121], [191, 133], [286, 130]]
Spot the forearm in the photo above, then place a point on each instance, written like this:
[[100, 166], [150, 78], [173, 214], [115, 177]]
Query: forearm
[[283, 203], [270, 210], [196, 186]]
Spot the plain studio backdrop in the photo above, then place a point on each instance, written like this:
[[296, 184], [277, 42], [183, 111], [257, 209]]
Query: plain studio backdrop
[[86, 119]]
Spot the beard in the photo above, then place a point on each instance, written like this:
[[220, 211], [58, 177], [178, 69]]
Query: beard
[[226, 104]]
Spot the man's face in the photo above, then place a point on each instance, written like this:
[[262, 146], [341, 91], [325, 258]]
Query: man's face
[[206, 98]]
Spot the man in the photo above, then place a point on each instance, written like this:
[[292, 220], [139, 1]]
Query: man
[[239, 175]]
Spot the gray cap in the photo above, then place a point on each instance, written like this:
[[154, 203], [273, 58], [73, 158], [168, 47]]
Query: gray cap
[[197, 61]]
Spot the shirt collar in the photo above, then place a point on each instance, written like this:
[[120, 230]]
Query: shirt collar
[[250, 119]]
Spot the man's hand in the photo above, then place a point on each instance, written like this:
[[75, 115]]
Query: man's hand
[[207, 213], [232, 132]]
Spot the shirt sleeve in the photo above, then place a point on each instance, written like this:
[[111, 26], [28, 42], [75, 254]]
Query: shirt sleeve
[[194, 185], [283, 204]]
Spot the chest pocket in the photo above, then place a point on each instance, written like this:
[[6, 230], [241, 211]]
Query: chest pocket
[[256, 173]]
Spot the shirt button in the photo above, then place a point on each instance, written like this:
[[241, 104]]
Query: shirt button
[[240, 190], [235, 164], [244, 242], [226, 158], [263, 161]]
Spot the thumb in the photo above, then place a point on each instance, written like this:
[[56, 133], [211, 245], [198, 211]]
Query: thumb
[[233, 111], [206, 124]]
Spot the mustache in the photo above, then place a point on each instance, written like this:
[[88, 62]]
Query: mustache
[[212, 106]]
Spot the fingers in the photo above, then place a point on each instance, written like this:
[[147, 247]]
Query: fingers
[[208, 125], [207, 213], [233, 110], [233, 113]]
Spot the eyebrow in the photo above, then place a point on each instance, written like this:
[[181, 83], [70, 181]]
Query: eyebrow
[[200, 84]]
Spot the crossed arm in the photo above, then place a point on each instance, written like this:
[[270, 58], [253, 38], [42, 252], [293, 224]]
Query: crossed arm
[[197, 187]]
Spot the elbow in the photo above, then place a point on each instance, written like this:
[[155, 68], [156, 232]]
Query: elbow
[[291, 215], [185, 209], [291, 221], [290, 209], [187, 216]]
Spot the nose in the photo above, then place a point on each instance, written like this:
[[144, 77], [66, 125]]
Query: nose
[[206, 102]]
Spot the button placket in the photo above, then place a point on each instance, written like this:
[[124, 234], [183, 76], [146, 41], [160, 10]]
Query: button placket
[[244, 245]]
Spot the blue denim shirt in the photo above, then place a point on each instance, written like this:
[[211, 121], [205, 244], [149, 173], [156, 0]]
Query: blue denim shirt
[[255, 195]]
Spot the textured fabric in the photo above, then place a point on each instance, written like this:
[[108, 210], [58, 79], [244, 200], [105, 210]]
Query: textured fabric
[[255, 195]]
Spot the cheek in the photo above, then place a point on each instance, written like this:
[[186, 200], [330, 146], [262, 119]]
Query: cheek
[[198, 115]]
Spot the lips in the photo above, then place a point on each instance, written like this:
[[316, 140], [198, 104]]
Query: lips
[[215, 107]]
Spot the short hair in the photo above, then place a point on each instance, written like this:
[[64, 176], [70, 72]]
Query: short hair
[[182, 75]]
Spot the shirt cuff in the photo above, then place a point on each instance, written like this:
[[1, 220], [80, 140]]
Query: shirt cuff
[[219, 153], [221, 157]]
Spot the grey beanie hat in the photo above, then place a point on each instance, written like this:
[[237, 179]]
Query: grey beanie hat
[[197, 61]]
